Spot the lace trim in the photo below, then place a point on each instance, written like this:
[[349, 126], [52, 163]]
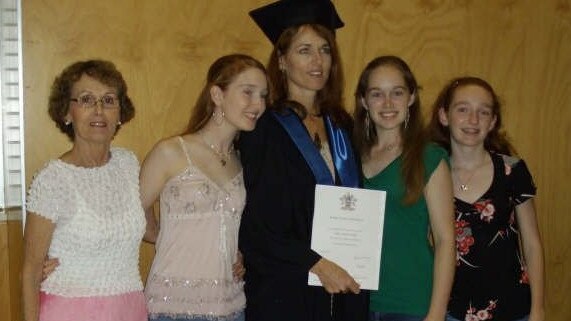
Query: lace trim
[[182, 282], [212, 317]]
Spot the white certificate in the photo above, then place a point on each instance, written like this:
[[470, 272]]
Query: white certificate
[[348, 230]]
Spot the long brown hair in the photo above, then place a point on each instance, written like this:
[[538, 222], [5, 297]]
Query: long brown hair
[[329, 98], [413, 141], [496, 140], [221, 73]]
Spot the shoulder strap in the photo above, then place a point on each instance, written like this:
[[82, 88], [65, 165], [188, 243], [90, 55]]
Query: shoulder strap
[[184, 149]]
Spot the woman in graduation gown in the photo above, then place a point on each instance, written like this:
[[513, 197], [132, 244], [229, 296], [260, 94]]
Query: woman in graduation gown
[[300, 142]]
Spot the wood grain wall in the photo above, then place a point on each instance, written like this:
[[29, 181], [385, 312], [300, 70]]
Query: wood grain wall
[[164, 48], [11, 250]]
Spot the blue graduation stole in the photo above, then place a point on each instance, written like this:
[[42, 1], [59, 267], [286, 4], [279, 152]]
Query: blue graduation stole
[[339, 144]]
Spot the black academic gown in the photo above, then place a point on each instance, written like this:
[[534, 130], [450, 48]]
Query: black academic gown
[[275, 233]]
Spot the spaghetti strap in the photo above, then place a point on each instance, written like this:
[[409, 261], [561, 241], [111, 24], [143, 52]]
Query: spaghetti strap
[[185, 151]]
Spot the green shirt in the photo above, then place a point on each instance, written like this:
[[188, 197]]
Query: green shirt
[[405, 283]]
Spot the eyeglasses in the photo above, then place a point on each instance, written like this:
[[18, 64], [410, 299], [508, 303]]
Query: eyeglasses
[[89, 101]]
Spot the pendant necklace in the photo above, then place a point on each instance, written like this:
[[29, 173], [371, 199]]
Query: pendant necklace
[[463, 185], [317, 141], [222, 156], [312, 118], [389, 147]]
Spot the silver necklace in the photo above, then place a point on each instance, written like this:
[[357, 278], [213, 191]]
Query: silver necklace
[[390, 147], [222, 156], [463, 185]]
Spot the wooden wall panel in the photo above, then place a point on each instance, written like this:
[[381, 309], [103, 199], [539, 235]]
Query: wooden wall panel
[[5, 309], [162, 48], [16, 246], [165, 47], [524, 49], [11, 247]]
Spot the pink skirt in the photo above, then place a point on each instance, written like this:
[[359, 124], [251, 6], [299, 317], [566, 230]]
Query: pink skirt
[[124, 307]]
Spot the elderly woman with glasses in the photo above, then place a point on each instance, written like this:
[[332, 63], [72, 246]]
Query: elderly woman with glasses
[[84, 207]]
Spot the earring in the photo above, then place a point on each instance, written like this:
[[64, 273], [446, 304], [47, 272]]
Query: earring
[[284, 78], [406, 119], [368, 126], [218, 117], [67, 122], [119, 123]]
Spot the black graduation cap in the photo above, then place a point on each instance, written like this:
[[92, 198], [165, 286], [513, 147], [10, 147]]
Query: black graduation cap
[[275, 17]]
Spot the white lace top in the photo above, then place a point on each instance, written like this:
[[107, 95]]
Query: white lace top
[[99, 225]]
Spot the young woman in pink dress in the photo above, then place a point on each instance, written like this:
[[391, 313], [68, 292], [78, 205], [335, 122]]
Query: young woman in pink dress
[[198, 178]]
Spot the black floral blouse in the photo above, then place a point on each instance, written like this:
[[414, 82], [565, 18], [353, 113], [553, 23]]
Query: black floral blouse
[[491, 281]]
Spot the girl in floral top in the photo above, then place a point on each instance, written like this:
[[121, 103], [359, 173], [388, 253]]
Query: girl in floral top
[[495, 212]]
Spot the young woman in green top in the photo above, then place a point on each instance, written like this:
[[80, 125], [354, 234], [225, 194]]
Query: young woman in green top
[[418, 255]]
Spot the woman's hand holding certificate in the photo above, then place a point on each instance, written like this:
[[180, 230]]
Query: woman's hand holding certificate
[[334, 278]]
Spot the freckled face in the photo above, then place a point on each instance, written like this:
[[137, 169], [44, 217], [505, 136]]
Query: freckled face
[[244, 99], [470, 116], [387, 98]]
